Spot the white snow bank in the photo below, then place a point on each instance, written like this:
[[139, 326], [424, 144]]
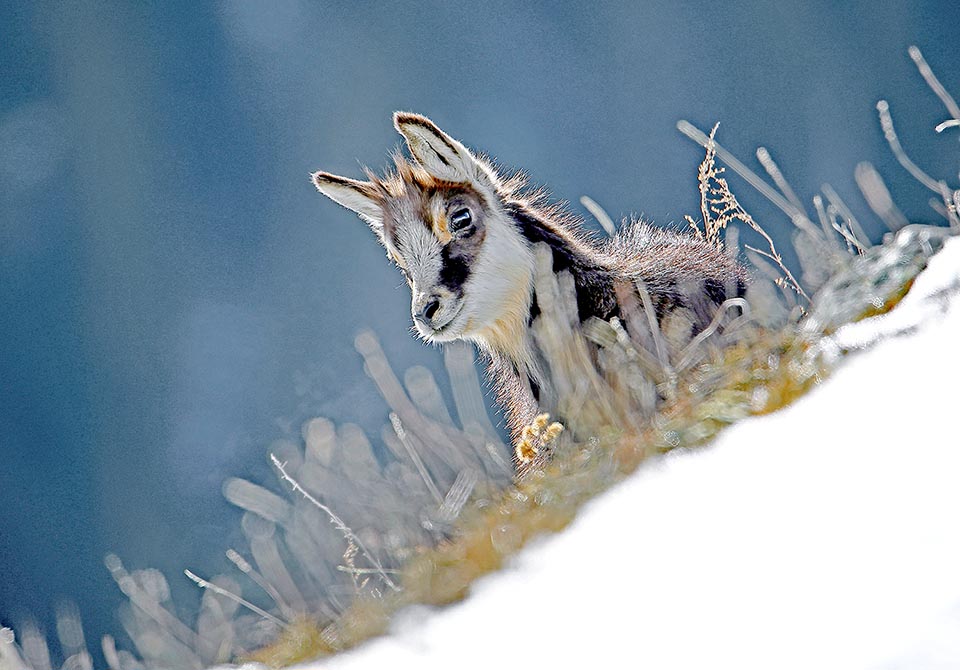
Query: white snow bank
[[824, 536]]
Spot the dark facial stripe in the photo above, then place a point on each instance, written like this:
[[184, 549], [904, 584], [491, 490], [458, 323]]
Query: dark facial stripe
[[454, 268]]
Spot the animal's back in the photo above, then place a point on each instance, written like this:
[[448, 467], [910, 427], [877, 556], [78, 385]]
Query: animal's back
[[677, 269]]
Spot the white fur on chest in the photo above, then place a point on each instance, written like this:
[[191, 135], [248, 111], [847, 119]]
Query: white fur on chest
[[501, 290]]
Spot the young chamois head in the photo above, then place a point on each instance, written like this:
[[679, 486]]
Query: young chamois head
[[441, 218]]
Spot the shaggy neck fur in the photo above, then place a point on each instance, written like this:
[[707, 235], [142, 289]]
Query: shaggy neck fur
[[506, 271], [570, 252], [508, 341]]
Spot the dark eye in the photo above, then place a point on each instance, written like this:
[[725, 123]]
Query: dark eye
[[460, 220]]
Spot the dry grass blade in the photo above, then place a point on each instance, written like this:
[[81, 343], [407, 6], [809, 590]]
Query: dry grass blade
[[335, 520], [415, 457], [848, 236], [936, 204], [949, 123], [774, 255], [927, 73], [599, 214], [825, 222], [204, 584], [109, 647], [148, 605], [243, 565], [949, 197], [862, 241], [465, 387], [766, 160], [787, 278], [70, 634], [878, 197], [951, 202], [458, 494], [654, 325], [886, 123], [366, 571], [689, 353], [34, 645]]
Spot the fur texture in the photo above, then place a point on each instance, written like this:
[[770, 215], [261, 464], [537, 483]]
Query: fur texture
[[464, 237]]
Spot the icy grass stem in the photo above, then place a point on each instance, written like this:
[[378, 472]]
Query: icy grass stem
[[335, 520], [243, 565], [886, 123], [204, 584], [599, 214], [415, 457], [856, 230], [689, 352], [927, 73], [878, 197], [766, 160], [148, 605]]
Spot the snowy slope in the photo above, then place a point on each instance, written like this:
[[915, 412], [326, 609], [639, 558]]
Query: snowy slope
[[824, 536]]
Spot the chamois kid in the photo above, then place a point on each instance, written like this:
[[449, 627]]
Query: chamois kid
[[464, 237]]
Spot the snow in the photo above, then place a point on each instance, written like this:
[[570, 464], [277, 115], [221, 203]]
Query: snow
[[826, 535]]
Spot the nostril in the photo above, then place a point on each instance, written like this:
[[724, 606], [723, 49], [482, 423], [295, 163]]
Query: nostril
[[430, 308]]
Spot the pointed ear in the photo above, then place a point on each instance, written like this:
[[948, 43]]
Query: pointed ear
[[358, 196], [438, 153]]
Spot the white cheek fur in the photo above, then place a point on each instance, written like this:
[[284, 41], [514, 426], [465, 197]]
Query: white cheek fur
[[498, 294], [500, 279]]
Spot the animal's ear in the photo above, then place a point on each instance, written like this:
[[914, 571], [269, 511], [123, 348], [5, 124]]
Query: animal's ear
[[438, 153], [358, 196]]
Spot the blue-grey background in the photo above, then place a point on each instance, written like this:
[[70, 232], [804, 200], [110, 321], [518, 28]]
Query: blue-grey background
[[174, 294]]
